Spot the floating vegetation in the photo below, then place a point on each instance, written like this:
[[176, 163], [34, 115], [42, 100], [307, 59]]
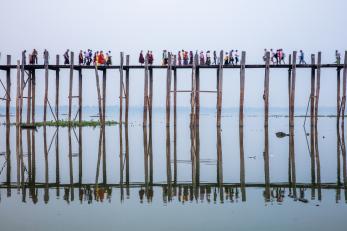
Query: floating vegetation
[[64, 123]]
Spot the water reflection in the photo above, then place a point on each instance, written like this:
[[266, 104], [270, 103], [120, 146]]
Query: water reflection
[[101, 190]]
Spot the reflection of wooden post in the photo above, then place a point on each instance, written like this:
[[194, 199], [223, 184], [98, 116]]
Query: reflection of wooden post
[[104, 167], [46, 90], [8, 90], [168, 88], [57, 166], [70, 84], [80, 155], [219, 158], [46, 191], [267, 164], [70, 163], [8, 159], [57, 89], [266, 89], [292, 91], [242, 165], [242, 86], [219, 88], [292, 159], [127, 89]]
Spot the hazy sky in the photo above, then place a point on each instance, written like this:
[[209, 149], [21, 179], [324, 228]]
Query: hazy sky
[[132, 25]]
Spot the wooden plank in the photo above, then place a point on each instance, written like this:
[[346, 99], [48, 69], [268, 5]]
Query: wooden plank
[[242, 86], [292, 93], [57, 89], [220, 88], [71, 84], [8, 90], [266, 90], [46, 91]]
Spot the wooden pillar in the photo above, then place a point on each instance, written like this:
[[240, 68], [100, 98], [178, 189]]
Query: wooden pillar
[[145, 94], [292, 91], [80, 95], [22, 88], [338, 96], [175, 92], [57, 89], [197, 98], [70, 84], [220, 88], [289, 82], [18, 93], [343, 107], [98, 92], [313, 88], [319, 58], [242, 86], [168, 88], [150, 95], [121, 88], [8, 90], [193, 90], [46, 91], [33, 95], [29, 98], [127, 76], [266, 89], [104, 96]]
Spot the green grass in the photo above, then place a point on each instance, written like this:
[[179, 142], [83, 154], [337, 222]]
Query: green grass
[[63, 123]]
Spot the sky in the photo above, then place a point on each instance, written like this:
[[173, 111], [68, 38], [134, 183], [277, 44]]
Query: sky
[[134, 25]]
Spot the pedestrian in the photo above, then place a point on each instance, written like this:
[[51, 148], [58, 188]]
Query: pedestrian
[[226, 59], [179, 58], [337, 57], [264, 56], [34, 56], [95, 58], [236, 57], [191, 57], [302, 57], [214, 58], [101, 59], [66, 57], [165, 58], [90, 55], [231, 57], [283, 56], [108, 58], [24, 58], [202, 58], [45, 57], [150, 58], [185, 57], [80, 58], [141, 58], [208, 58], [272, 56], [276, 56], [31, 58]]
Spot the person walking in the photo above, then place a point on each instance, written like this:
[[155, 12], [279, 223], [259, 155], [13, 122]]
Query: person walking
[[214, 57], [231, 57], [302, 57], [236, 57], [264, 56], [34, 56], [108, 58], [226, 59], [80, 58], [191, 57], [272, 56], [165, 58], [208, 58], [141, 58], [45, 57], [66, 57], [283, 56], [202, 58], [179, 58], [337, 57], [185, 57], [150, 58]]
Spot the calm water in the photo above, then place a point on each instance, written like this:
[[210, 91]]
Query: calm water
[[176, 178]]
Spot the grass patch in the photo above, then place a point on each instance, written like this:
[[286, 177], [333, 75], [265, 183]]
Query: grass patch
[[63, 123]]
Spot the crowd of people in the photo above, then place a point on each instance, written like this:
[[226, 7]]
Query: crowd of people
[[183, 57]]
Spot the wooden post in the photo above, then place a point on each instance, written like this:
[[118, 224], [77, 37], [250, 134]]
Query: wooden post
[[33, 96], [57, 89], [292, 91], [8, 90], [168, 88], [197, 98], [319, 58], [46, 90], [266, 89], [219, 88], [121, 88], [313, 89], [193, 90], [150, 95], [289, 87], [127, 76], [80, 95], [175, 92], [18, 93], [104, 96], [338, 96], [98, 92], [29, 99], [242, 86], [70, 84], [22, 88], [145, 94], [343, 103]]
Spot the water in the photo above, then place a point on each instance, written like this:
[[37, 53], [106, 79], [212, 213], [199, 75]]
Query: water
[[176, 178]]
